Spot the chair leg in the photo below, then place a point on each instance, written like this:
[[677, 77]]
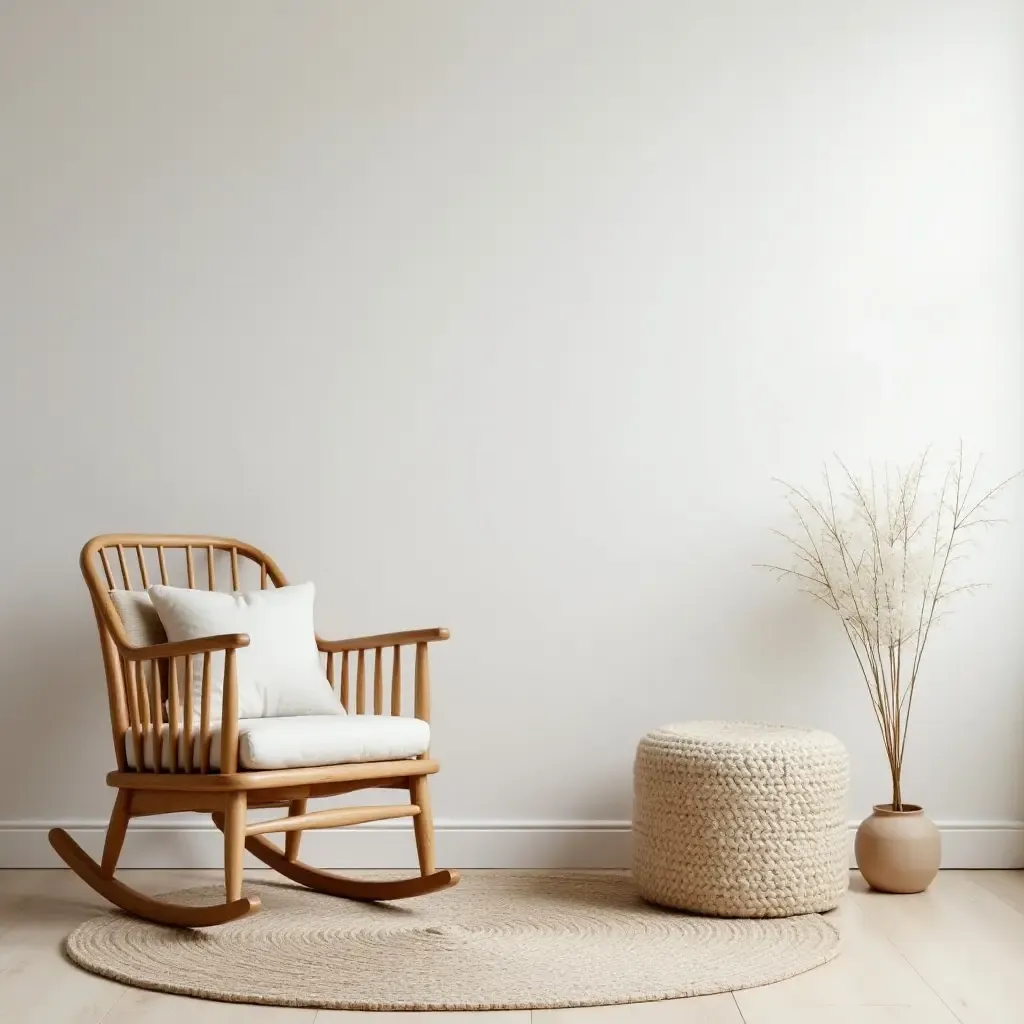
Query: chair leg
[[293, 839], [119, 818], [234, 845], [423, 824]]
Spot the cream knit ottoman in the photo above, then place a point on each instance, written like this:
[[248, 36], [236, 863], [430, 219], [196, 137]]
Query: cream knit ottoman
[[740, 820]]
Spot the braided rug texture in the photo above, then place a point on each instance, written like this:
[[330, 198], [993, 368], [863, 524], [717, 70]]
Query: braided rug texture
[[498, 940], [741, 820]]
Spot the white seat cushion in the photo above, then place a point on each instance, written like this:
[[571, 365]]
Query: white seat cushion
[[307, 741]]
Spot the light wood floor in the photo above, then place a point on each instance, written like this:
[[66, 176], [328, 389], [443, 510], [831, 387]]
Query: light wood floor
[[955, 953]]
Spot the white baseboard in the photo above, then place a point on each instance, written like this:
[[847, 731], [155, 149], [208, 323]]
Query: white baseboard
[[177, 843], [152, 843]]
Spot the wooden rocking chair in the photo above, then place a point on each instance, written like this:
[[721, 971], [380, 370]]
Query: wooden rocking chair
[[153, 711]]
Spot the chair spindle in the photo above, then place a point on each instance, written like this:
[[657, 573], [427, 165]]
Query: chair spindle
[[211, 574], [396, 680], [361, 683], [204, 717], [142, 566], [128, 674], [229, 717], [106, 570], [378, 682], [187, 757], [190, 567], [158, 716], [234, 569], [173, 712], [345, 694], [422, 683], [143, 688], [124, 567], [163, 564], [145, 719]]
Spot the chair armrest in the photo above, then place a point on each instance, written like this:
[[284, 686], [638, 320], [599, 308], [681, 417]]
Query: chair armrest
[[178, 648], [157, 693], [368, 643]]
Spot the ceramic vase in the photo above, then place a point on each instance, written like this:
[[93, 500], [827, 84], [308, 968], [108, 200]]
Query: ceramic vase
[[898, 851]]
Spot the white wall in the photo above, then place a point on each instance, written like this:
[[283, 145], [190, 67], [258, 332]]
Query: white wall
[[503, 316]]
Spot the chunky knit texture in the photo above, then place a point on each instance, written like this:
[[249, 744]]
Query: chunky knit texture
[[741, 820]]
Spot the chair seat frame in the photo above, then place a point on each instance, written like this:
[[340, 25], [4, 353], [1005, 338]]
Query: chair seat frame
[[141, 704]]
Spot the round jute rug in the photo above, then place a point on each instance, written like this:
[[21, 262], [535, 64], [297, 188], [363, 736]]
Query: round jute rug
[[498, 940]]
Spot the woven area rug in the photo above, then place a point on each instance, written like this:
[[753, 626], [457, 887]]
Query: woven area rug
[[498, 940]]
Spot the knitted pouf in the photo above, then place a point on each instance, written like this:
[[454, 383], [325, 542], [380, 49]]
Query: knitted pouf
[[741, 820]]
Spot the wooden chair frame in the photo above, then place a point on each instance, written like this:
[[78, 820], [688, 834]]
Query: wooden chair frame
[[152, 710]]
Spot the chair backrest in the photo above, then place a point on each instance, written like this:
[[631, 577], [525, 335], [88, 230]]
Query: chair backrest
[[132, 562]]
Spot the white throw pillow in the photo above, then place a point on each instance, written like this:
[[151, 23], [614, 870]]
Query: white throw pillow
[[279, 673]]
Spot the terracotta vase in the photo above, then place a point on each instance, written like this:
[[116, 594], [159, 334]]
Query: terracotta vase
[[898, 851]]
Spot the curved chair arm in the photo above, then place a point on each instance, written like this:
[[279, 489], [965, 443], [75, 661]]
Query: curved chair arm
[[227, 644], [411, 637], [179, 648], [368, 643]]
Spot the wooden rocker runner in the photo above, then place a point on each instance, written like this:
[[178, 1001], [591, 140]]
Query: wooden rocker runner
[[173, 756]]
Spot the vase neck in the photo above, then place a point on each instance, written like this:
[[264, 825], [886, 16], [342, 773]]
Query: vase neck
[[885, 810]]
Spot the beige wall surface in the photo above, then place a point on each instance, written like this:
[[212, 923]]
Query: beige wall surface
[[503, 316]]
